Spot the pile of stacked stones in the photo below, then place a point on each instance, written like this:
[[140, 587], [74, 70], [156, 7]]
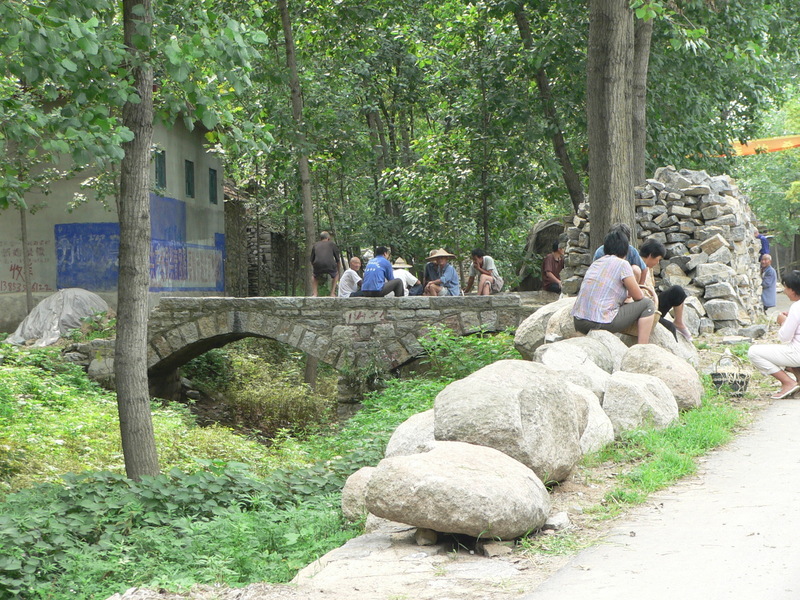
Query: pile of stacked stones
[[708, 228]]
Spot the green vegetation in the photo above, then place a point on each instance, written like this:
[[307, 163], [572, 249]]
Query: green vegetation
[[659, 458], [229, 510]]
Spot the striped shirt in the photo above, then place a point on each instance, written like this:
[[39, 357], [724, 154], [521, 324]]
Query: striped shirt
[[602, 291]]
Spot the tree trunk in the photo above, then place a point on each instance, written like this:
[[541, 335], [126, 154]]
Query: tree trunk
[[642, 34], [608, 105], [130, 357], [26, 259], [571, 178], [302, 165]]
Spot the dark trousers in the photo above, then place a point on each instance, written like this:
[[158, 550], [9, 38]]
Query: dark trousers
[[394, 285], [667, 300]]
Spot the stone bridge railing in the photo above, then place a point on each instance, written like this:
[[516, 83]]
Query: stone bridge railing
[[342, 332]]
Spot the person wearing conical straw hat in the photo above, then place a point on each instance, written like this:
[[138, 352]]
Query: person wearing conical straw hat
[[444, 279], [402, 272]]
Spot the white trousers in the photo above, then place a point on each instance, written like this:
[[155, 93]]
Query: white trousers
[[771, 358]]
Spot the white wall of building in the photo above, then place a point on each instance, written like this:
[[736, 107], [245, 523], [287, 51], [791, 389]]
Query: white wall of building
[[79, 248]]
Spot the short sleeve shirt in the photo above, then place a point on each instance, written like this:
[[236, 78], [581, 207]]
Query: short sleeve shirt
[[488, 264], [603, 290], [348, 283]]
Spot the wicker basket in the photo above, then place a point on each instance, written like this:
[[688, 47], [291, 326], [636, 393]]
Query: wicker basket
[[735, 378]]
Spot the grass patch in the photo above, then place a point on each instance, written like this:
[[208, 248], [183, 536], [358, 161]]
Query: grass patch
[[656, 459]]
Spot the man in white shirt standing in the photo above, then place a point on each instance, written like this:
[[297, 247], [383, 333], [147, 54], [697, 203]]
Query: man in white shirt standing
[[348, 284]]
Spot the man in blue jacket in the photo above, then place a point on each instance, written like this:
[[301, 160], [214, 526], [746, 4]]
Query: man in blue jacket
[[379, 277]]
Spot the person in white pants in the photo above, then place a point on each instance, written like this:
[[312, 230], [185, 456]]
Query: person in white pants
[[779, 360]]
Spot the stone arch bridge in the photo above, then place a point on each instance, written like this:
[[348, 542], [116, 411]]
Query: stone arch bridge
[[342, 332]]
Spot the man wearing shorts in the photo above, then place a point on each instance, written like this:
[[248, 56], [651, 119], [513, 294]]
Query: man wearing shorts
[[325, 259]]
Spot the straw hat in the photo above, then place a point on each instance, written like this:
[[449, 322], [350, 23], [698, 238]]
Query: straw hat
[[441, 252], [401, 264]]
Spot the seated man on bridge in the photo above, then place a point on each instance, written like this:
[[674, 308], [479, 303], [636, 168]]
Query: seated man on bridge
[[483, 267], [351, 280], [379, 277], [443, 280]]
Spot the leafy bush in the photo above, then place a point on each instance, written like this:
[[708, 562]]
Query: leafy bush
[[261, 385], [453, 356], [100, 325], [99, 532]]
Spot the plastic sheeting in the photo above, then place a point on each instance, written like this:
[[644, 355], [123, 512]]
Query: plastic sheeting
[[56, 315]]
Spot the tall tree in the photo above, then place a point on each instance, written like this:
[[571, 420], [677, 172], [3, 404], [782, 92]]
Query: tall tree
[[302, 163], [608, 107], [130, 358]]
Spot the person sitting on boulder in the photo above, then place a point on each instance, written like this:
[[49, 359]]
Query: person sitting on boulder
[[777, 359], [608, 283], [632, 255], [652, 251]]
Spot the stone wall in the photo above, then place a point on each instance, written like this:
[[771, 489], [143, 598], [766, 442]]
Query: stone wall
[[708, 228]]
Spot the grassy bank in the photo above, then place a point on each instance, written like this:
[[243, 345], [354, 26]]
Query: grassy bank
[[229, 510]]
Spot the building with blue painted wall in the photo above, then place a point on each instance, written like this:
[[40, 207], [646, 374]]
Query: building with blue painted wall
[[80, 248]]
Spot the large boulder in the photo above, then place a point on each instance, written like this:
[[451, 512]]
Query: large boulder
[[634, 400], [615, 346], [574, 364], [530, 333], [459, 488], [560, 326], [681, 378], [663, 338], [354, 494], [412, 436], [599, 429], [521, 408]]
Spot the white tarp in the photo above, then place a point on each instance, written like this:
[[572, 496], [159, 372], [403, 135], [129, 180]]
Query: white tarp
[[56, 315]]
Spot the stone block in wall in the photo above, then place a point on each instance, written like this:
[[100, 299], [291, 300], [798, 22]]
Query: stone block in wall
[[678, 237], [723, 289], [652, 211], [720, 184], [694, 290], [687, 227], [695, 303], [583, 240], [713, 243], [700, 258], [670, 177], [573, 233], [648, 225], [674, 275], [665, 220], [655, 184], [738, 233], [583, 210], [647, 201], [712, 212], [691, 201], [679, 261], [729, 220], [574, 259], [695, 176], [706, 325], [673, 197], [680, 211], [709, 273], [712, 200], [721, 255], [571, 285], [677, 249], [722, 310], [696, 190], [579, 222], [659, 236]]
